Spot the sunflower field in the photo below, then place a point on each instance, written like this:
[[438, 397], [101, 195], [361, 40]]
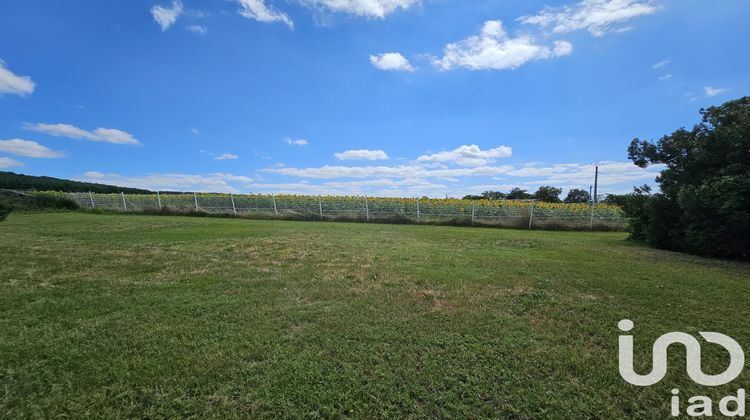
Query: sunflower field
[[502, 213]]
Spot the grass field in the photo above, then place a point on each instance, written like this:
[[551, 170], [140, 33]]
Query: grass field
[[146, 316]]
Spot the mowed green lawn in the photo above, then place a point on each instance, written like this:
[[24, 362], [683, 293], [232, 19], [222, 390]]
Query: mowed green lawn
[[141, 316]]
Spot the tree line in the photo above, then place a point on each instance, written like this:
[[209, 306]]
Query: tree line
[[548, 194], [20, 182]]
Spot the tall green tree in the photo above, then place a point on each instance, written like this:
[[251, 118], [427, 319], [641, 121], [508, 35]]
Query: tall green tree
[[577, 195], [548, 194], [518, 194], [704, 203]]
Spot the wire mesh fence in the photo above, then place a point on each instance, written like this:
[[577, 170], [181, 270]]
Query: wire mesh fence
[[527, 214]]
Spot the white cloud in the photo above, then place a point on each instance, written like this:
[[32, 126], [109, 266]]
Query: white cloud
[[469, 155], [367, 8], [13, 84], [166, 16], [407, 187], [214, 182], [599, 17], [9, 163], [665, 77], [562, 48], [576, 175], [107, 135], [661, 64], [195, 131], [296, 142], [493, 49], [403, 171], [28, 148], [414, 179], [258, 10], [362, 154], [226, 156], [392, 61], [197, 29], [711, 91]]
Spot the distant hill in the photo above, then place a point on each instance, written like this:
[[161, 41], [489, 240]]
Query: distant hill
[[14, 181]]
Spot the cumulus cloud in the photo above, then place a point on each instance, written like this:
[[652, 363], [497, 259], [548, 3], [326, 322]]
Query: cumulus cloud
[[213, 182], [295, 142], [711, 91], [166, 16], [362, 154], [598, 17], [353, 180], [407, 187], [226, 156], [577, 175], [403, 171], [493, 49], [392, 61], [468, 155], [6, 162], [28, 148], [107, 135], [260, 11], [14, 84], [665, 77], [367, 8]]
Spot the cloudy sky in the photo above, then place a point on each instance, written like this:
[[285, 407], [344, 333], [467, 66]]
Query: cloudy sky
[[378, 97]]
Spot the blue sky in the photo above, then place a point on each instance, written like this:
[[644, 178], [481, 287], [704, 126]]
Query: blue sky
[[378, 97]]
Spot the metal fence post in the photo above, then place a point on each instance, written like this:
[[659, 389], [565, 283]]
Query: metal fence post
[[124, 204], [531, 214], [473, 205], [195, 196], [417, 209], [320, 206], [158, 199], [275, 209], [234, 209], [593, 206], [91, 197], [367, 210]]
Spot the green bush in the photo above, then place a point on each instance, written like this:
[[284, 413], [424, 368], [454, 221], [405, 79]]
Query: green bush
[[4, 211], [10, 201]]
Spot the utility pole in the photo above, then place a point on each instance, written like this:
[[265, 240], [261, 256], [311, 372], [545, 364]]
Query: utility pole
[[596, 183], [593, 197]]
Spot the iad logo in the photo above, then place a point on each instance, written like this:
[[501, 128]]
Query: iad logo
[[701, 405]]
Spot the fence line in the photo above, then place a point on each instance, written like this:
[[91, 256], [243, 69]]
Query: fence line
[[509, 213]]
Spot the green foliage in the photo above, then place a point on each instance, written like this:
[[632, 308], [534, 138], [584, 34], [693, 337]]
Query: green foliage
[[493, 195], [4, 211], [548, 194], [518, 194], [704, 204], [10, 201], [487, 195], [577, 195], [20, 182]]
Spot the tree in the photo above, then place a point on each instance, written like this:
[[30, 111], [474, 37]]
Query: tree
[[487, 195], [518, 194], [493, 195], [548, 194], [704, 203], [577, 195]]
